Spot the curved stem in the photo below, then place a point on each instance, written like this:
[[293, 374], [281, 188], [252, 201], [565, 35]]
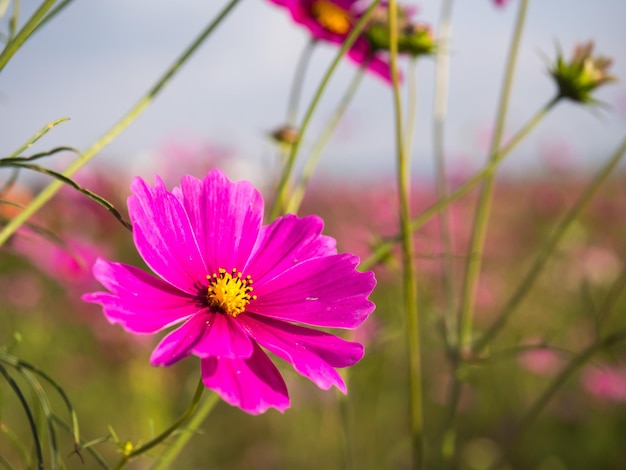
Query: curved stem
[[198, 418], [29, 416], [298, 82], [548, 248], [283, 184], [298, 193], [483, 208], [408, 258], [168, 432], [50, 190]]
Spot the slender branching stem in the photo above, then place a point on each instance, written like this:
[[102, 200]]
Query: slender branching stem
[[189, 430], [311, 163], [408, 258], [548, 248], [282, 189], [168, 432], [483, 208]]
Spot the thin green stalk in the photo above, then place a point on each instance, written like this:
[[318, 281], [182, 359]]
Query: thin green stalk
[[298, 82], [298, 193], [15, 18], [442, 75], [553, 388], [548, 248], [483, 209], [47, 193], [384, 249], [408, 258], [29, 28], [283, 183], [411, 113], [169, 431], [179, 443]]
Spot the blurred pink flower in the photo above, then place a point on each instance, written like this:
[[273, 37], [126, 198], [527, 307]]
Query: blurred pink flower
[[541, 361], [67, 261], [206, 242], [605, 382], [501, 3], [332, 21]]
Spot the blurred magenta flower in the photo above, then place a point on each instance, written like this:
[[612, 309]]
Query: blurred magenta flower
[[328, 20], [332, 21], [232, 286], [605, 383]]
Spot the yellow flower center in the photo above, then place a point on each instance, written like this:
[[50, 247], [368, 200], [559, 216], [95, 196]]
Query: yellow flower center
[[229, 292], [332, 17]]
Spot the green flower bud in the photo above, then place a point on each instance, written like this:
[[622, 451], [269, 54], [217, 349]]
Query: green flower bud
[[577, 78]]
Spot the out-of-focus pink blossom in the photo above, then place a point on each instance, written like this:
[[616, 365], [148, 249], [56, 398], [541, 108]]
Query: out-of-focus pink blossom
[[68, 261], [540, 361], [605, 382]]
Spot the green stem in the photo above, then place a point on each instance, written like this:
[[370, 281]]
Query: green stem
[[439, 116], [47, 193], [548, 248], [298, 193], [179, 443], [298, 82], [384, 249], [408, 258], [411, 113], [29, 28], [168, 432], [283, 183], [483, 208], [554, 387]]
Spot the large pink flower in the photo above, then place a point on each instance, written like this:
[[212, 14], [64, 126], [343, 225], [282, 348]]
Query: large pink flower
[[233, 286]]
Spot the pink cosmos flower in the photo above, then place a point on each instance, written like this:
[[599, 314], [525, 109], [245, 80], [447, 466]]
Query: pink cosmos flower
[[233, 286], [605, 383], [332, 21]]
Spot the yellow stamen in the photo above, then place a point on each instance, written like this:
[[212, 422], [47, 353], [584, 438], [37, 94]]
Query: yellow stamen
[[332, 17], [229, 292]]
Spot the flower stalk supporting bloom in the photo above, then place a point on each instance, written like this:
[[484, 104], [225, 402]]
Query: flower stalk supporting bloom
[[408, 258], [235, 288], [278, 206]]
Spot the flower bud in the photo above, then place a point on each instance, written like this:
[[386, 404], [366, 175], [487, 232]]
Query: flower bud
[[285, 135], [577, 78]]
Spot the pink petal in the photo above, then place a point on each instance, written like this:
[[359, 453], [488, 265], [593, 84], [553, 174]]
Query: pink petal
[[204, 335], [361, 54], [139, 302], [287, 241], [252, 384], [226, 218], [164, 237], [312, 353], [324, 291]]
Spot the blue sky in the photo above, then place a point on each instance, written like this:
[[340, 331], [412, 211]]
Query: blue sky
[[95, 60]]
